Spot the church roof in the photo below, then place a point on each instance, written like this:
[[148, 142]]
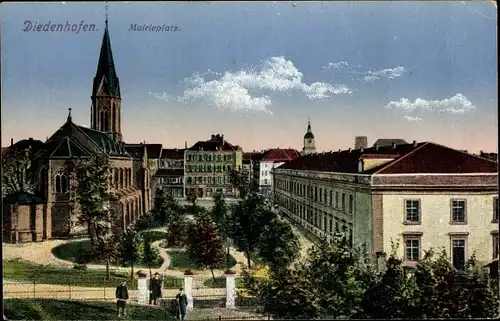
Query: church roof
[[106, 81], [75, 140], [309, 134]]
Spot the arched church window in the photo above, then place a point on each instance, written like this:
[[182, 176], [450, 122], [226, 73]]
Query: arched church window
[[113, 111], [64, 184], [106, 121], [116, 177], [121, 177], [58, 184]]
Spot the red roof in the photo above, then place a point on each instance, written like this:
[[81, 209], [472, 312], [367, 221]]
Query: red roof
[[173, 153], [438, 159], [425, 157], [280, 155]]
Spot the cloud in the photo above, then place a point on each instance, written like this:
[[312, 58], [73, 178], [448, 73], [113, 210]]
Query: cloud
[[390, 73], [413, 118], [458, 104], [335, 65], [243, 90]]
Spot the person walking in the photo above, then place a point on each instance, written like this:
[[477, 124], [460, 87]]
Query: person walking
[[182, 303], [155, 289], [121, 298]]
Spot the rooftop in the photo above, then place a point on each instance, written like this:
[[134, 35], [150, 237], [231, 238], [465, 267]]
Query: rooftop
[[172, 153], [424, 157], [280, 155], [215, 143]]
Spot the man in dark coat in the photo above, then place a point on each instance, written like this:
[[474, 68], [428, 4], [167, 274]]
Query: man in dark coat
[[121, 297], [155, 289], [182, 303]]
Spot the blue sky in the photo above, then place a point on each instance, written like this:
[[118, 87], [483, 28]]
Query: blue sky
[[424, 71]]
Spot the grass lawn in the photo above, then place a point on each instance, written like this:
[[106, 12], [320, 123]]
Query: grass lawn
[[18, 270], [181, 261], [49, 309], [68, 251]]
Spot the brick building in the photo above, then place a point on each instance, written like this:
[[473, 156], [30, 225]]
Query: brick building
[[421, 195], [130, 174], [207, 165]]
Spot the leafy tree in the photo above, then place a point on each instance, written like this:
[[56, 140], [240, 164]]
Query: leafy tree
[[220, 216], [241, 181], [278, 245], [204, 244], [192, 197], [248, 223], [109, 248], [132, 249], [164, 207], [150, 255], [90, 196], [177, 230], [17, 171], [392, 295]]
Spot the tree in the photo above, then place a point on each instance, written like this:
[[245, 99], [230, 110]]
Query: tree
[[204, 244], [177, 230], [164, 206], [150, 255], [242, 182], [109, 248], [132, 249], [392, 294], [192, 197], [91, 196], [221, 218], [17, 171], [329, 283], [278, 245], [249, 220]]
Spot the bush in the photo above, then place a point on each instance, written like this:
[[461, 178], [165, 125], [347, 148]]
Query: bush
[[153, 236], [146, 221]]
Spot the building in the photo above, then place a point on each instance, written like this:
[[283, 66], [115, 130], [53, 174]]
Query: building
[[269, 160], [247, 166], [170, 174], [309, 141], [130, 175], [207, 165], [421, 195]]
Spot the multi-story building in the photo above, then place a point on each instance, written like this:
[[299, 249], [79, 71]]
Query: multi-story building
[[247, 166], [421, 196], [207, 167], [271, 159], [170, 174]]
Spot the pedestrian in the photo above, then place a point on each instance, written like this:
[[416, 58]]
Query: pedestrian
[[155, 289], [121, 297], [182, 303]]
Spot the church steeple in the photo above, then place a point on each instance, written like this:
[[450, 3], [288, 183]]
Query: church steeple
[[106, 98], [309, 143]]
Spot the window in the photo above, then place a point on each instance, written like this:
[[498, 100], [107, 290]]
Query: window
[[331, 197], [458, 211], [412, 211], [412, 248], [351, 204], [458, 253], [320, 195], [343, 202], [337, 199], [331, 226], [495, 210], [495, 246]]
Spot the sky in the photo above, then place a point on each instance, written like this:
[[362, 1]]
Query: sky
[[255, 72]]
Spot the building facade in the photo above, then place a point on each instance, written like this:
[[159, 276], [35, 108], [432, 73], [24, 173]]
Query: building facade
[[269, 160], [170, 174], [207, 168], [419, 196]]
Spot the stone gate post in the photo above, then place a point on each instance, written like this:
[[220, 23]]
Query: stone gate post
[[188, 288], [142, 287], [230, 289]]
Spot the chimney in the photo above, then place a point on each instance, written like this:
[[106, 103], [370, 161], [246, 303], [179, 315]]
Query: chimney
[[414, 143], [213, 136], [393, 145], [30, 139], [361, 149], [360, 142], [11, 141], [349, 150], [376, 146], [185, 144], [340, 150]]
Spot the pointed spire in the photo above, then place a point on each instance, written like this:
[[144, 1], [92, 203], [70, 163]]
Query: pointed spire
[[106, 67], [308, 124], [69, 119]]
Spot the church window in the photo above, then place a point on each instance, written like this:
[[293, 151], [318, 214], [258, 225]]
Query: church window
[[106, 121], [61, 183]]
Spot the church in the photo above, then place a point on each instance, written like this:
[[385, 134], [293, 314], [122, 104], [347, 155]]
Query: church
[[129, 168]]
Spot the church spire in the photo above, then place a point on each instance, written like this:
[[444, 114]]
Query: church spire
[[309, 124], [106, 98]]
